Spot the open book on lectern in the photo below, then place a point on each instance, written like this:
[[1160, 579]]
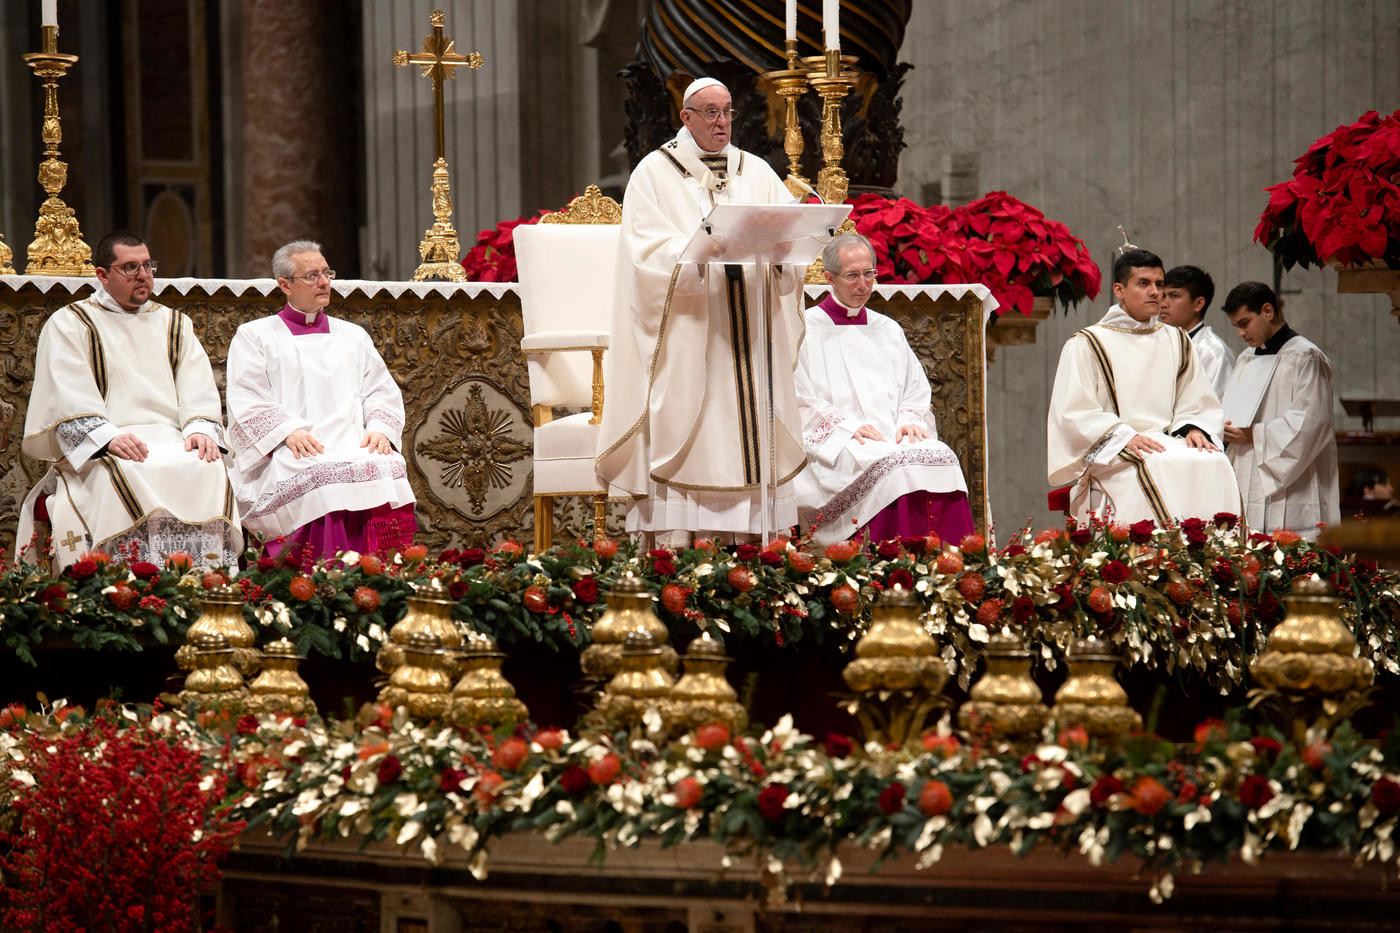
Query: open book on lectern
[[750, 234]]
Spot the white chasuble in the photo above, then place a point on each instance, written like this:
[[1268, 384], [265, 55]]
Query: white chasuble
[[99, 372], [854, 375], [1118, 379], [1288, 472], [333, 385], [1214, 357], [680, 419]]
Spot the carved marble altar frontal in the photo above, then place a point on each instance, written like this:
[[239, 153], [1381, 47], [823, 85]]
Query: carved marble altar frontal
[[454, 350]]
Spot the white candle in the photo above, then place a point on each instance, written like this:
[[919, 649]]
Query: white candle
[[792, 19], [831, 23], [50, 17]]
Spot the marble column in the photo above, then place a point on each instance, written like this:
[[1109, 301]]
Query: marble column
[[299, 153]]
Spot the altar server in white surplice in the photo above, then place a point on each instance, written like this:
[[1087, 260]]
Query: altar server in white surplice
[[1185, 300], [1133, 424], [125, 409], [680, 426], [1279, 435], [316, 423], [875, 465]]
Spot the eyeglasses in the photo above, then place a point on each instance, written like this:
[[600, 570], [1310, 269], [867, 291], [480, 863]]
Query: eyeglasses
[[311, 278], [851, 278], [132, 269], [712, 115]]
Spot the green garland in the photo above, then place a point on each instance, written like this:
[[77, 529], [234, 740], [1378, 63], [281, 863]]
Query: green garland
[[779, 795], [1199, 597]]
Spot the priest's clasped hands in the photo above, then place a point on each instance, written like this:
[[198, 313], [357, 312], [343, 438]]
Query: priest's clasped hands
[[1196, 439], [913, 432], [302, 444], [130, 447]]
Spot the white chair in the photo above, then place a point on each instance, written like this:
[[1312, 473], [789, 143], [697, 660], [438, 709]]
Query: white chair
[[566, 266]]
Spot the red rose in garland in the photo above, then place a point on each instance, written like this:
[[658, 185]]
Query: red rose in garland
[[770, 801], [892, 799]]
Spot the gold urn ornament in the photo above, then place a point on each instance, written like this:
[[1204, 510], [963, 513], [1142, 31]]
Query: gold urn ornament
[[703, 694], [1091, 697], [279, 688], [643, 683], [214, 680], [1309, 674], [1005, 702], [429, 612], [221, 613], [483, 696], [422, 684], [897, 673], [629, 610]]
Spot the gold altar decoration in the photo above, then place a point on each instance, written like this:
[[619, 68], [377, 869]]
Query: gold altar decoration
[[439, 60], [214, 681], [629, 609], [6, 257], [422, 684], [1091, 697], [897, 673], [221, 613], [58, 247], [429, 612], [1005, 702], [279, 687], [791, 83], [483, 696], [1309, 676], [703, 694], [643, 683], [591, 207]]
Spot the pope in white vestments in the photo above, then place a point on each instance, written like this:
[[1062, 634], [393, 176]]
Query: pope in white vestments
[[316, 422], [1284, 448], [875, 465], [1132, 422], [125, 409], [680, 431]]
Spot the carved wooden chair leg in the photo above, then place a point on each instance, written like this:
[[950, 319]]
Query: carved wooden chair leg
[[600, 516], [544, 522]]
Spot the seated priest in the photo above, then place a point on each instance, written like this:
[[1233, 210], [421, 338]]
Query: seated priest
[[125, 409], [316, 423], [1134, 424], [875, 466]]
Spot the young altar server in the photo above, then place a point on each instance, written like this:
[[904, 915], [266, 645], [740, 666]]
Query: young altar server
[[1278, 428], [1133, 423], [125, 410], [875, 465], [1185, 300], [316, 423]]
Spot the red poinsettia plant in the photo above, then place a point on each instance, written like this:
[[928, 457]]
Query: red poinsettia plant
[[997, 240], [492, 259], [1342, 204]]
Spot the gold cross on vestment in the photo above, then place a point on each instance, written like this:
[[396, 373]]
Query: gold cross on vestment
[[439, 61], [71, 542]]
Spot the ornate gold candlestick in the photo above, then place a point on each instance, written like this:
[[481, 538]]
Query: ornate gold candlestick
[[1006, 702], [832, 76], [791, 84], [483, 697], [58, 247], [703, 694], [439, 60], [1092, 698], [6, 254], [279, 688]]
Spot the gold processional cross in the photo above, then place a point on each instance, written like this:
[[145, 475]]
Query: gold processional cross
[[439, 61]]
